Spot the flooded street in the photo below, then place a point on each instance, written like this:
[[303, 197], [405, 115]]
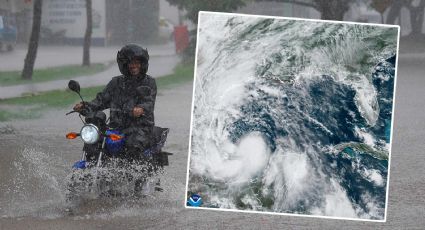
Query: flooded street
[[36, 159]]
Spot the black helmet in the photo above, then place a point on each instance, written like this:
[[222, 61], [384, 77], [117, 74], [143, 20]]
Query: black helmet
[[128, 53]]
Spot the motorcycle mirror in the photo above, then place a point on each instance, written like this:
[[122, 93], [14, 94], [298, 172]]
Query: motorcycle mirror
[[74, 86], [144, 91]]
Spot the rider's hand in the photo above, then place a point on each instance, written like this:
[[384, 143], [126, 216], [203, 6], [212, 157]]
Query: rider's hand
[[79, 107], [138, 111]]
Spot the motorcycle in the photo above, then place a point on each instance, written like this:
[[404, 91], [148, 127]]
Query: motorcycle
[[105, 161]]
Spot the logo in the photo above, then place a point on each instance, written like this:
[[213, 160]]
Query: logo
[[194, 200]]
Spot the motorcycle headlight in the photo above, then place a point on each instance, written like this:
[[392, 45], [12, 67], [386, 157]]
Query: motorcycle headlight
[[90, 134]]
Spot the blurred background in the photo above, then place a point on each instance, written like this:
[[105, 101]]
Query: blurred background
[[153, 21]]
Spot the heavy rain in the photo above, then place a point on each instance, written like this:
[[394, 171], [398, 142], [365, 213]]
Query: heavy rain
[[36, 63]]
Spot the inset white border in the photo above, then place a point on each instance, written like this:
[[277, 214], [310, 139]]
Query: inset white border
[[298, 19]]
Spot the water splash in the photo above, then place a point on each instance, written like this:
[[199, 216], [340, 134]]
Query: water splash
[[35, 188], [40, 187]]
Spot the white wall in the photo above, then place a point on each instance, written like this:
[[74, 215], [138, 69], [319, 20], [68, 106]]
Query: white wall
[[70, 15]]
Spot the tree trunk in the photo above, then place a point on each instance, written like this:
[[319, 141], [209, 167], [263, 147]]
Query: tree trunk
[[417, 18], [87, 36], [33, 43], [394, 12], [332, 9]]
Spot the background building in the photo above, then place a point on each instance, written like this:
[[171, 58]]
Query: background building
[[153, 21]]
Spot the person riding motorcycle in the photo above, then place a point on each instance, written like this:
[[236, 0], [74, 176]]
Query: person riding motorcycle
[[131, 100]]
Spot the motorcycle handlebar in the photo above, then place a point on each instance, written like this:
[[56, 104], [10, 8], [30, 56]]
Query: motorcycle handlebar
[[73, 111], [83, 112]]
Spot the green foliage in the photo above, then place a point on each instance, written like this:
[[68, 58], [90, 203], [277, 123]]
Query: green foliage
[[329, 9], [380, 5], [182, 74], [192, 7], [49, 74]]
